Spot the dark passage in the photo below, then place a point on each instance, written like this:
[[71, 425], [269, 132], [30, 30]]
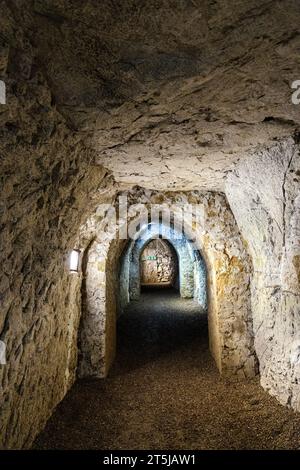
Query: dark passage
[[164, 392], [159, 326]]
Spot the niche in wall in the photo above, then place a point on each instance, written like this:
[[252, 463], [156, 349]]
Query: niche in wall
[[159, 265]]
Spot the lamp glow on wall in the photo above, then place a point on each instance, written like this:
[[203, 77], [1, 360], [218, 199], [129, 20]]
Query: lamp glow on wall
[[74, 261]]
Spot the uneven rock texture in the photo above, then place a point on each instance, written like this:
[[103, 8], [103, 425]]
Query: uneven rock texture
[[188, 96], [264, 194], [46, 174], [164, 392], [175, 91], [188, 266], [228, 271], [158, 264]]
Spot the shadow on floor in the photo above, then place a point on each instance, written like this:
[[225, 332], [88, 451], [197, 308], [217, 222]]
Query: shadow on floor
[[164, 392], [160, 323]]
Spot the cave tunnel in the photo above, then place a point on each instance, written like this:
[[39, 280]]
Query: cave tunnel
[[149, 224], [165, 306]]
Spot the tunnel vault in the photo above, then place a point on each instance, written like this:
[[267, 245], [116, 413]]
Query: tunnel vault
[[191, 265], [228, 270], [97, 102]]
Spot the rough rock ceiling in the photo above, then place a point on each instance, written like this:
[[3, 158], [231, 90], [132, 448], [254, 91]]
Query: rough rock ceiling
[[171, 92]]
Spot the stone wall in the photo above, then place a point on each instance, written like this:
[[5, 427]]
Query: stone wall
[[228, 271], [264, 194], [185, 257], [158, 263], [46, 174], [57, 82]]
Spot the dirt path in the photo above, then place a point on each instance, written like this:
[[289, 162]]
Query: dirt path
[[164, 392]]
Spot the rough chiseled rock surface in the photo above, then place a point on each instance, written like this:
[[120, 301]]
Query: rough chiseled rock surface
[[187, 95], [174, 92], [158, 264], [264, 194], [228, 270], [46, 175]]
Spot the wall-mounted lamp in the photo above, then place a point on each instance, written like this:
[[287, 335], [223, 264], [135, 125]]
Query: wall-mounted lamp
[[74, 261], [2, 92]]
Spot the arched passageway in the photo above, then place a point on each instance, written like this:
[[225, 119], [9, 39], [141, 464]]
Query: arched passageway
[[169, 102], [164, 390], [190, 276], [162, 305], [164, 378], [214, 269]]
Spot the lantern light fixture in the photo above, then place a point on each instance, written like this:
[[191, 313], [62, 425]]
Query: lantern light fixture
[[74, 261]]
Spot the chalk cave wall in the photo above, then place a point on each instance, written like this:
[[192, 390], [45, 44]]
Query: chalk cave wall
[[263, 192], [47, 181], [158, 264], [184, 257], [50, 186], [228, 270]]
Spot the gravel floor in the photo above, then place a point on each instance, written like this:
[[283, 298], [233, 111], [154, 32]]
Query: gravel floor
[[164, 392]]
